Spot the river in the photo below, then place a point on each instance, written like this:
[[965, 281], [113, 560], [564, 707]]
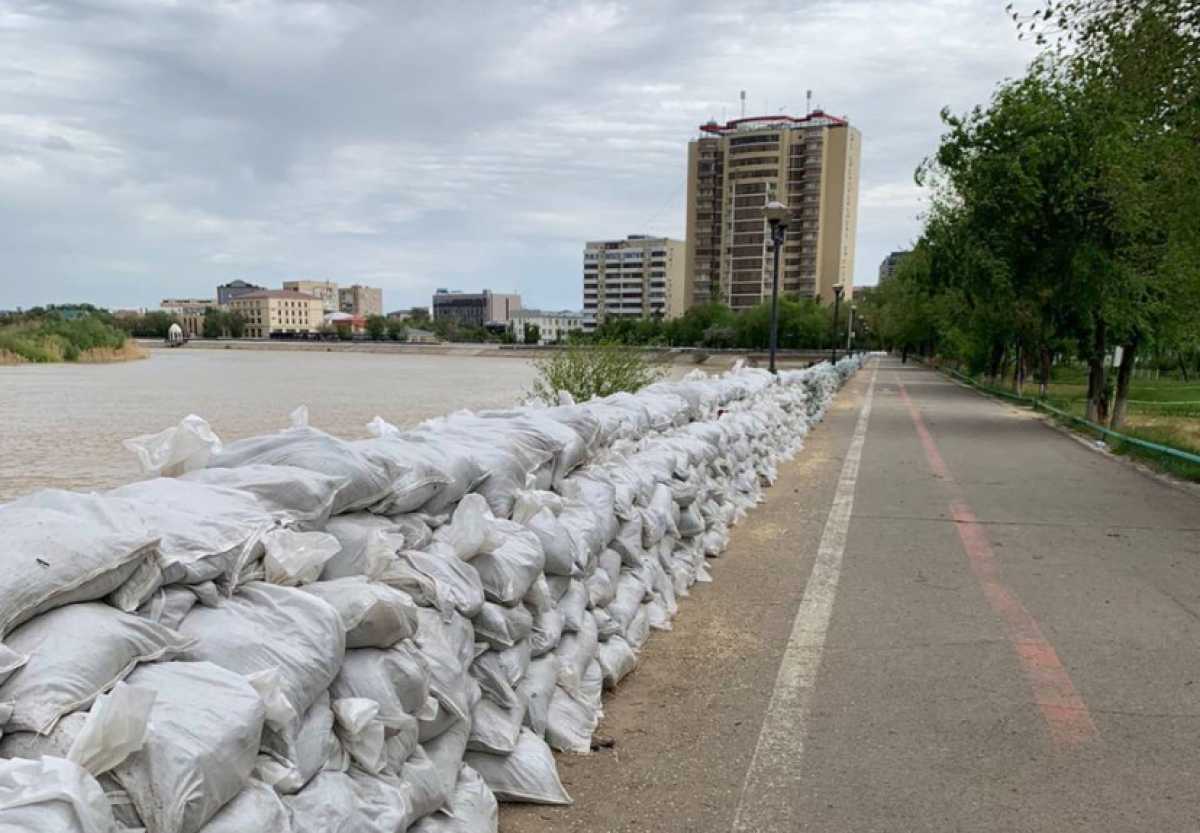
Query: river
[[61, 425]]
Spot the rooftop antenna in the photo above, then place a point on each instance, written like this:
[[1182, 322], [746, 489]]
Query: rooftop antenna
[[742, 96], [807, 102]]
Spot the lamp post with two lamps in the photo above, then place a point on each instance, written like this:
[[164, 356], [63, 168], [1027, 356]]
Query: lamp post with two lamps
[[838, 289]]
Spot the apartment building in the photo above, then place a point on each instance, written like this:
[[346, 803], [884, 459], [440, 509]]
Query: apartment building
[[280, 311], [553, 326], [362, 301], [810, 164], [327, 291], [638, 277], [475, 309]]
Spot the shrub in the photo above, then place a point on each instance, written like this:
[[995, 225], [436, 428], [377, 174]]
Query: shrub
[[585, 371]]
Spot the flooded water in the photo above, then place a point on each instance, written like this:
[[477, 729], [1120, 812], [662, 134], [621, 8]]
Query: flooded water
[[62, 425]]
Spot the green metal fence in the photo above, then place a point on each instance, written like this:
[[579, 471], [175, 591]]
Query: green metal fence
[[1042, 405]]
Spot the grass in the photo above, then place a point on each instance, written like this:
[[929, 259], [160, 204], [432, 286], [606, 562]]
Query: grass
[[53, 339]]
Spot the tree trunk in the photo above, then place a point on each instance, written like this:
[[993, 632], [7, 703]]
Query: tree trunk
[[1097, 405], [1128, 356], [1019, 372], [997, 358], [1182, 367], [1044, 382]]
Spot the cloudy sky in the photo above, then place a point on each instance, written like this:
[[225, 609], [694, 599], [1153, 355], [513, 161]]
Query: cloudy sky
[[154, 148]]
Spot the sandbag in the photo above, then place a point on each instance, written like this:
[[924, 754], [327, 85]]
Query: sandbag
[[396, 678], [528, 774], [168, 606], [361, 732], [373, 614], [495, 728], [369, 542], [256, 809], [472, 809], [268, 628], [368, 479], [293, 558], [415, 482], [437, 578], [52, 795], [76, 653], [559, 548], [536, 689], [617, 658], [289, 494], [201, 744], [511, 559], [502, 627], [296, 751], [173, 451], [58, 547]]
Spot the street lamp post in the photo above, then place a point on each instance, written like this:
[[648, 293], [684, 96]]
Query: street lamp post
[[850, 329], [777, 216], [838, 289]]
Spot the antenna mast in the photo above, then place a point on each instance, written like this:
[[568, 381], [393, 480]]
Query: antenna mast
[[742, 96], [807, 102]]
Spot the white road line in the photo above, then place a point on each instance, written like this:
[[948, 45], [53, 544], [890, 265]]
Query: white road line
[[770, 790]]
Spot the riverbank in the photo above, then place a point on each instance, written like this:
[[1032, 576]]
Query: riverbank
[[46, 336], [129, 351], [709, 360]]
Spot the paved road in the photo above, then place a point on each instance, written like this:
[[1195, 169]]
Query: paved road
[[946, 617]]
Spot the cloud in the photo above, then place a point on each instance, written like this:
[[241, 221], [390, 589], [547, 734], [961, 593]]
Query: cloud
[[154, 149]]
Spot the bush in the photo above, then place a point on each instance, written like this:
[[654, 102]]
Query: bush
[[585, 371]]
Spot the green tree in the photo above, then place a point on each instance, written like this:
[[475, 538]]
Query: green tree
[[376, 327], [396, 330], [532, 334]]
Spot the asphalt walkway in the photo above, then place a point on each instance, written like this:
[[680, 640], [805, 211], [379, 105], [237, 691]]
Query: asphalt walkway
[[947, 616]]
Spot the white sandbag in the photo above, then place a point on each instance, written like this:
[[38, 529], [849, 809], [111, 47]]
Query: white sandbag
[[294, 752], [58, 547], [264, 627], [437, 578], [396, 678], [200, 748], [52, 795], [446, 752], [455, 691], [327, 804], [460, 468], [293, 558], [168, 606], [10, 661], [570, 722], [529, 502], [374, 615], [600, 589], [369, 543], [401, 739], [560, 550], [575, 653], [206, 533], [639, 629], [451, 636], [112, 730], [173, 451], [658, 519], [472, 809], [606, 626], [76, 653], [631, 590], [369, 481], [422, 786], [512, 558], [537, 688], [468, 527], [528, 774], [291, 495], [256, 809], [361, 732], [415, 482], [617, 659], [573, 606], [495, 728], [547, 631], [502, 627]]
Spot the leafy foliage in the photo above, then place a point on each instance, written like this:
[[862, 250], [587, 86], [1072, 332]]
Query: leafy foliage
[[585, 371]]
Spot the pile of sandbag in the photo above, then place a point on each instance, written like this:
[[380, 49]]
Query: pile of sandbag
[[297, 632]]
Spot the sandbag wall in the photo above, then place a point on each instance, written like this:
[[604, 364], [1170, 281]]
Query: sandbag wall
[[296, 632]]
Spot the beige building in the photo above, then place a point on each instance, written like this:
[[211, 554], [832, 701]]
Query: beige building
[[810, 164], [363, 301], [327, 291], [638, 277], [279, 311]]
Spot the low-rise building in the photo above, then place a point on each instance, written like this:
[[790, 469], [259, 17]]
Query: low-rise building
[[279, 311], [553, 326], [327, 291], [226, 292], [361, 300], [475, 309], [638, 277], [189, 312]]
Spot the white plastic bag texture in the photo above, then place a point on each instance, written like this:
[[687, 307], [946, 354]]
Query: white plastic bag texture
[[51, 794]]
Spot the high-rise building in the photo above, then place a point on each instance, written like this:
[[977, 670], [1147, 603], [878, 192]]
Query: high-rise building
[[475, 309], [887, 269], [359, 300], [638, 277], [327, 291], [810, 164], [226, 292]]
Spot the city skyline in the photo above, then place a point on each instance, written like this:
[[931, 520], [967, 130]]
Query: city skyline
[[148, 153]]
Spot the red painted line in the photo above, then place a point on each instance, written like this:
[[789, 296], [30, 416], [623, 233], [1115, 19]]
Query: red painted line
[[1064, 710]]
